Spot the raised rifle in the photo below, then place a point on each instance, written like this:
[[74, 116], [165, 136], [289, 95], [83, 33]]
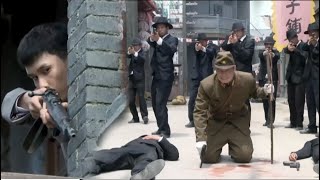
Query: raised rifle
[[60, 119]]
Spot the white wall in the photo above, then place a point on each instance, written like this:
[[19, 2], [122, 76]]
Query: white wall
[[258, 9]]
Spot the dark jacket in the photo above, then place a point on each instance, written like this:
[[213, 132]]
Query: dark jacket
[[311, 70], [136, 66], [310, 149], [162, 62], [164, 148], [263, 66], [242, 53], [296, 64], [202, 65]]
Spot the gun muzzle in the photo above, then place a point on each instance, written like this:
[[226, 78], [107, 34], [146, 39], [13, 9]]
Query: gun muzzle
[[71, 132], [292, 164]]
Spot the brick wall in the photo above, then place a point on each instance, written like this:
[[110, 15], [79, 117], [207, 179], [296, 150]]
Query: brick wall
[[96, 75]]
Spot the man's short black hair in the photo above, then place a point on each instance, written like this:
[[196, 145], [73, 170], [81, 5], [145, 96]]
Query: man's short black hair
[[45, 38]]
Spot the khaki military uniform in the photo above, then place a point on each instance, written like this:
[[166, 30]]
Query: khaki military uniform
[[220, 119]]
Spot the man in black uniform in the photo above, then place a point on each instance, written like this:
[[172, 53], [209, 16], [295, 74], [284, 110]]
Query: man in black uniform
[[164, 46], [136, 81], [144, 156], [311, 75], [241, 47], [294, 77], [310, 149], [262, 76], [201, 68]]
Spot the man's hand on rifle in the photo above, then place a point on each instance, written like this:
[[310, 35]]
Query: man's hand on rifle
[[32, 104], [45, 116], [37, 107], [293, 156]]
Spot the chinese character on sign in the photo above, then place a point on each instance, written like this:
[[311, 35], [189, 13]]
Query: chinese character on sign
[[294, 24], [291, 14], [292, 6]]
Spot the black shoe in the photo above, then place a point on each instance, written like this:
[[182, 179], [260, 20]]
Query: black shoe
[[133, 121], [308, 131], [265, 124], [190, 124], [299, 128], [291, 126], [156, 132], [90, 166], [145, 120], [151, 170], [163, 134]]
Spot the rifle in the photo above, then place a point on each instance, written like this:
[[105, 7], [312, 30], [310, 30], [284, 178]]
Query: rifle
[[271, 98], [60, 118]]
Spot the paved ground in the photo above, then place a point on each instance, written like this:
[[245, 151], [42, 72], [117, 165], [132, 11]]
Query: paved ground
[[285, 141]]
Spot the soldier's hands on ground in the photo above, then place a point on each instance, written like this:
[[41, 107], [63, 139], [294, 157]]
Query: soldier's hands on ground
[[152, 137], [199, 145], [32, 104], [268, 88], [293, 156]]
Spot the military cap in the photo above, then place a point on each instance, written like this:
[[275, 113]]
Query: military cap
[[224, 60]]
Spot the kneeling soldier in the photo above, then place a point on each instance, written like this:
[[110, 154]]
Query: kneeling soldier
[[221, 115]]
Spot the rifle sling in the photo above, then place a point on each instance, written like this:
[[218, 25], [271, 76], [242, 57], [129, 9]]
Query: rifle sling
[[36, 135]]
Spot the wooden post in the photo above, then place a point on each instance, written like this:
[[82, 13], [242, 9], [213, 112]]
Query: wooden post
[[271, 98]]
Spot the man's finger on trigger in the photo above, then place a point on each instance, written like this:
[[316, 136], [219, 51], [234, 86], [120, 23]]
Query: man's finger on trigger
[[35, 104], [43, 116], [44, 105]]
